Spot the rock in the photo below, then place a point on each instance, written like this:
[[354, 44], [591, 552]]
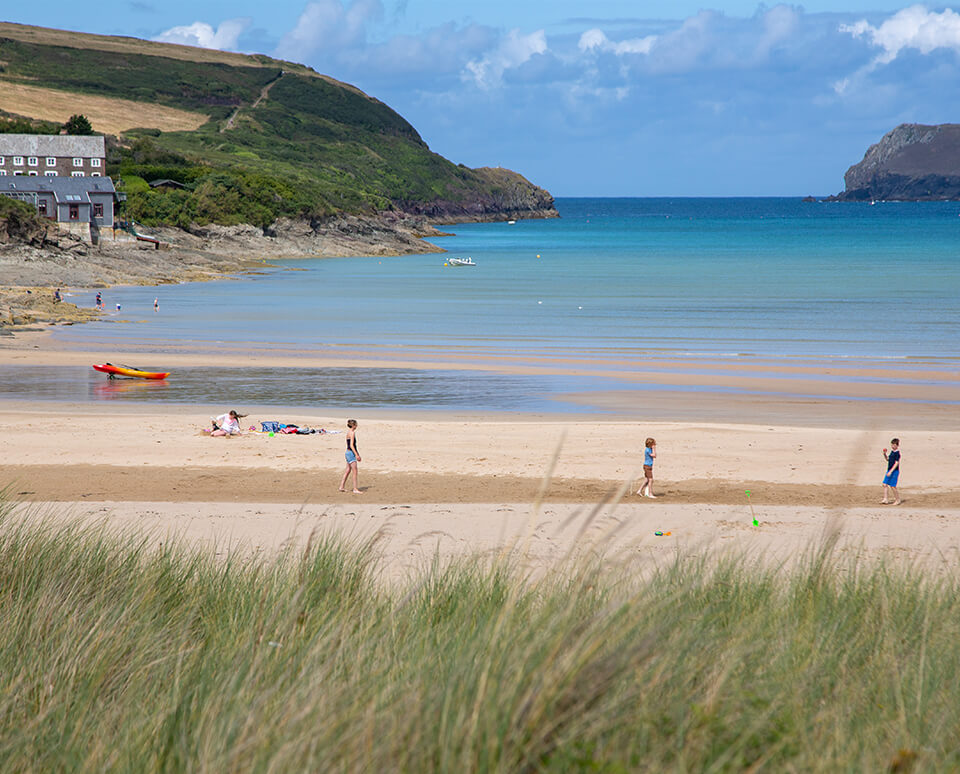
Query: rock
[[914, 162]]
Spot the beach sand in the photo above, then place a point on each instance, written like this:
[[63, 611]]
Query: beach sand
[[445, 484]]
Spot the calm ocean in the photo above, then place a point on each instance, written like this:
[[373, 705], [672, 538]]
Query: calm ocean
[[752, 277]]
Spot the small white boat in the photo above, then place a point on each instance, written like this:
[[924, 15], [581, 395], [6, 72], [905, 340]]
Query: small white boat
[[461, 262], [511, 222]]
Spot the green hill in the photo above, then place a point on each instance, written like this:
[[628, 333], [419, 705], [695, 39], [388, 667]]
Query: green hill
[[274, 139]]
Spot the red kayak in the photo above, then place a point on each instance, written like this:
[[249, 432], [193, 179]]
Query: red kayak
[[133, 373]]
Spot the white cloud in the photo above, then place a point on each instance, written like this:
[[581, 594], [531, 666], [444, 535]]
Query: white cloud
[[326, 25], [596, 40], [779, 24], [203, 35], [512, 52], [912, 28]]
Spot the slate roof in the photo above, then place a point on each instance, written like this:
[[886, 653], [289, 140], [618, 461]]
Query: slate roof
[[73, 145], [61, 187]]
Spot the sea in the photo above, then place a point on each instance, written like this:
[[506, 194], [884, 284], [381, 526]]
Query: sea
[[613, 280]]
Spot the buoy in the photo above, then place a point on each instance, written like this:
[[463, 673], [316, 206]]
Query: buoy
[[538, 255]]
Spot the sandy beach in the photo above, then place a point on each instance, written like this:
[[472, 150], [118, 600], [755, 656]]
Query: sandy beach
[[444, 483]]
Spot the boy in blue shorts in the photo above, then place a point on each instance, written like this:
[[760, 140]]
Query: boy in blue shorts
[[893, 473]]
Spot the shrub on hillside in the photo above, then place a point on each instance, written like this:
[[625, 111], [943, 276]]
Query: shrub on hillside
[[19, 221]]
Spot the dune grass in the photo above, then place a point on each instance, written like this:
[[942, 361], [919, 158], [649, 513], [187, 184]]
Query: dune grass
[[119, 656]]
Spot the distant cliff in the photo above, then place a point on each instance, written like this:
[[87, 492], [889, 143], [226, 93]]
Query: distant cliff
[[506, 194], [911, 163]]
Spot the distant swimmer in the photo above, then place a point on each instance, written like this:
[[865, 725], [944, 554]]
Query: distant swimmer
[[156, 305], [118, 307]]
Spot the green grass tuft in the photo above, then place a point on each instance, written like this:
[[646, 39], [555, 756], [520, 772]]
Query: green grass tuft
[[118, 655]]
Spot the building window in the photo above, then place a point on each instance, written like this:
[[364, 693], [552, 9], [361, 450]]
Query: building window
[[32, 161], [3, 160], [17, 173], [78, 162], [98, 210], [18, 161], [3, 173], [94, 162], [42, 207], [74, 212], [76, 174], [33, 173], [49, 173], [51, 161], [94, 174]]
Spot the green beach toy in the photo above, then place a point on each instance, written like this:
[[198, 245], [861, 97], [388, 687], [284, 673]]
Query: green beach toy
[[270, 434]]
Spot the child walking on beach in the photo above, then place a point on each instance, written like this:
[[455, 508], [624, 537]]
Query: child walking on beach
[[353, 457], [893, 473], [649, 455]]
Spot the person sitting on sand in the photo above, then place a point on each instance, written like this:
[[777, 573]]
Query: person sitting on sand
[[226, 424], [893, 473], [57, 298], [352, 455], [649, 455]]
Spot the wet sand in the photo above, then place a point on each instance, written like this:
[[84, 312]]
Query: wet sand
[[473, 480]]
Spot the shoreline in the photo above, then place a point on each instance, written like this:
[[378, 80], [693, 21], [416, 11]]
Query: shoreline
[[761, 391], [29, 273]]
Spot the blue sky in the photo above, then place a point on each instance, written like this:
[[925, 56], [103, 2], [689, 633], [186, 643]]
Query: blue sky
[[606, 98]]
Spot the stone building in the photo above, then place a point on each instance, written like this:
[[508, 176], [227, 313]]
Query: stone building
[[52, 155]]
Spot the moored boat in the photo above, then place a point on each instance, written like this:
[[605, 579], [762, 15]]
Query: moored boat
[[461, 262]]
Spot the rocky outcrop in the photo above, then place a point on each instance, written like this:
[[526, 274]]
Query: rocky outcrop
[[913, 162], [509, 196]]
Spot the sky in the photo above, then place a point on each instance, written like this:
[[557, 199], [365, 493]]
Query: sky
[[607, 97]]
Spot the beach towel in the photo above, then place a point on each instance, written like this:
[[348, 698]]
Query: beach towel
[[269, 427]]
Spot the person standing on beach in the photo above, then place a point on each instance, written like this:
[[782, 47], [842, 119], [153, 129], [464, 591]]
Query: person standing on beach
[[99, 301], [893, 473], [353, 457], [156, 305], [649, 455]]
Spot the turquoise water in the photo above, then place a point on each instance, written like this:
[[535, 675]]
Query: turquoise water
[[611, 277]]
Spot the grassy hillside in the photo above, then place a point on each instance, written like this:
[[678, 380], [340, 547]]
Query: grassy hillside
[[276, 139]]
